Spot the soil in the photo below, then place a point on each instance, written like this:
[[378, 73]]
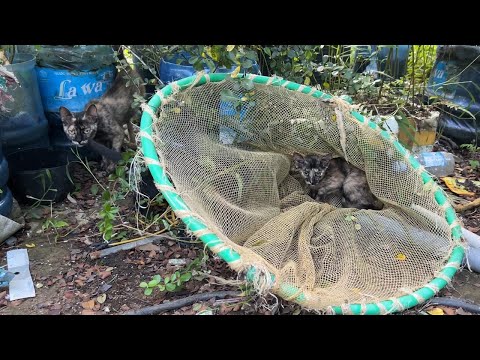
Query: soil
[[68, 281]]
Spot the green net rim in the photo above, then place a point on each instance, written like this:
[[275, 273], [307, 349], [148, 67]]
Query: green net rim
[[226, 253]]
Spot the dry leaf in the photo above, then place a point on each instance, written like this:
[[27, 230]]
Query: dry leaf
[[460, 311], [101, 299], [39, 285], [401, 257], [109, 268], [230, 47], [448, 310], [149, 247], [235, 72], [32, 245], [88, 305], [105, 274], [436, 311]]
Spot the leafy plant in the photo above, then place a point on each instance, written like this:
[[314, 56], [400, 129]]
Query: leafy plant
[[108, 214], [54, 224], [170, 283], [470, 147], [474, 164]]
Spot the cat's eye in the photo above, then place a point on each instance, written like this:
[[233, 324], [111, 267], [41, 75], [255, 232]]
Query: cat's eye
[[86, 131]]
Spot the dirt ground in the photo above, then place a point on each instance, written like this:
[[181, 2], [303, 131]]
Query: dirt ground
[[69, 281]]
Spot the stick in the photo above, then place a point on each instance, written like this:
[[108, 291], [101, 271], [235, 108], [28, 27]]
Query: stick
[[468, 206], [456, 303], [101, 253], [156, 309]]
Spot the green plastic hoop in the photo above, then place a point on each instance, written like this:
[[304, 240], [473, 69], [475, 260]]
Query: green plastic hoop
[[213, 242]]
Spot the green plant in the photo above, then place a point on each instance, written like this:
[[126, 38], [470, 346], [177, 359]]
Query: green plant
[[470, 147], [108, 214], [170, 283], [175, 281], [54, 224], [474, 164]]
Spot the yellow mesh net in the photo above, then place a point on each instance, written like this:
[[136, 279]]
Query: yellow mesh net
[[231, 166]]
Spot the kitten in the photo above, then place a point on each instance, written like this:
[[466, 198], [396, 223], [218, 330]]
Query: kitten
[[103, 119], [325, 177], [321, 184]]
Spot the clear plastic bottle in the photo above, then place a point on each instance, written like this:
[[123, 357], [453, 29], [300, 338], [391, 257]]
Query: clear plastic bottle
[[437, 163]]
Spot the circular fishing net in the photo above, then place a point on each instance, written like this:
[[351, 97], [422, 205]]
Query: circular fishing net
[[220, 151]]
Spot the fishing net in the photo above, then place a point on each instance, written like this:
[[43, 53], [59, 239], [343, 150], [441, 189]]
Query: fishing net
[[226, 144]]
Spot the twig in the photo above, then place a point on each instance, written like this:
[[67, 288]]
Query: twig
[[468, 206], [156, 309], [130, 245]]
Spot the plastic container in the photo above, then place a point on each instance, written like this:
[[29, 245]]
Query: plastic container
[[170, 71], [24, 124], [437, 163], [40, 174], [395, 67], [455, 77]]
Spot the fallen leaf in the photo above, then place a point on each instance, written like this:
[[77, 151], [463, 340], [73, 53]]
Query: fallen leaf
[[105, 274], [38, 285], [32, 245], [460, 311], [436, 311], [87, 242], [101, 299], [401, 257], [68, 295], [88, 305], [88, 312], [448, 310], [124, 307], [70, 273], [109, 268]]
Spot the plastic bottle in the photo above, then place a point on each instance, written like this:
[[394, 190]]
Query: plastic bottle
[[437, 163]]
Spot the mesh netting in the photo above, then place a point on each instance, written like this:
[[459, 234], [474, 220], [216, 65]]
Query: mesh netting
[[232, 167]]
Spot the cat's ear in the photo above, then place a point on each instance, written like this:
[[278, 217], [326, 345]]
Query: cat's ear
[[326, 159], [298, 160], [65, 113], [91, 111]]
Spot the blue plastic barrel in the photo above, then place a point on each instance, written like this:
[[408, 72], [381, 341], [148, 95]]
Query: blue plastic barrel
[[171, 71], [24, 124], [72, 89], [455, 78], [6, 199]]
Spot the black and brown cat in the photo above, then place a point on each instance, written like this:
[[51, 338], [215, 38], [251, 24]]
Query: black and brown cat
[[103, 119], [325, 177]]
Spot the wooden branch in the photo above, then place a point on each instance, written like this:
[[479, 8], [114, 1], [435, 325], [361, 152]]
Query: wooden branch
[[156, 309], [473, 204], [112, 250]]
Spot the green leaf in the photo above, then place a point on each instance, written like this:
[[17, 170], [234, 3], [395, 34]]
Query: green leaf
[[167, 280], [94, 189], [230, 47], [185, 277], [143, 284], [247, 64], [148, 291], [155, 281], [161, 287], [59, 223], [174, 277], [170, 287], [267, 51]]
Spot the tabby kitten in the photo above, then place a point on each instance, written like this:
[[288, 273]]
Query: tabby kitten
[[326, 177], [103, 119]]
